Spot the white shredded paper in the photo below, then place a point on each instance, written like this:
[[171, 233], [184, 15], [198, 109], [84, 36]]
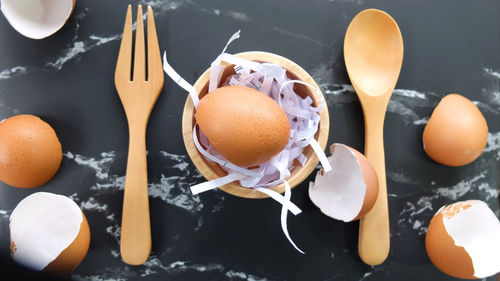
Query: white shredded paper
[[304, 120]]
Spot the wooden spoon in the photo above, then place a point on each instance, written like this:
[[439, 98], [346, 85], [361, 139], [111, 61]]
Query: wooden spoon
[[373, 53]]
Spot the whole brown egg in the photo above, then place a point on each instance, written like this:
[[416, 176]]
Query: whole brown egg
[[244, 125], [30, 152]]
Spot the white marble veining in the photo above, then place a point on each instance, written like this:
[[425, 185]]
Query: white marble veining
[[7, 111], [358, 2], [161, 6], [103, 40], [71, 52], [492, 72], [9, 73], [154, 265], [239, 16], [100, 166], [5, 214], [115, 253], [493, 144], [114, 231], [97, 277], [418, 210], [298, 36], [92, 205], [173, 190]]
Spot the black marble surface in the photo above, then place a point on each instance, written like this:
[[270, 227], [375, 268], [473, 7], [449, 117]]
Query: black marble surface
[[67, 79]]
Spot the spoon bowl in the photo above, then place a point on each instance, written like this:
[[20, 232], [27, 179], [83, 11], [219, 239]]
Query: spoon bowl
[[373, 54]]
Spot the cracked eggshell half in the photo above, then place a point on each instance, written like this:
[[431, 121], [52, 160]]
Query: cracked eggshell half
[[456, 133], [463, 240], [37, 19], [30, 151], [49, 232], [350, 189]]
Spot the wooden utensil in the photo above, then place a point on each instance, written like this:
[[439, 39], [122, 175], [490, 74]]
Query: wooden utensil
[[373, 53], [211, 170], [138, 95]]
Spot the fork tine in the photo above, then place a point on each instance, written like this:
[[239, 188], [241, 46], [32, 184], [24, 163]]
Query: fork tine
[[139, 55], [154, 58], [123, 64]]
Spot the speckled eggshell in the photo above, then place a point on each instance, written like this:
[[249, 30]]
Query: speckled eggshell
[[30, 152], [244, 125]]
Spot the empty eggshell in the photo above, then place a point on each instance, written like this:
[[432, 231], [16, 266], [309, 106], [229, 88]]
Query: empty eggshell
[[350, 189], [456, 133], [463, 240], [37, 19], [49, 232]]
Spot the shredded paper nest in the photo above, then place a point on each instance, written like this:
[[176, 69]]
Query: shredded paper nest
[[303, 116]]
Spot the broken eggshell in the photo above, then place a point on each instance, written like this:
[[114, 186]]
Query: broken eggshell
[[49, 233], [37, 19], [463, 240], [350, 189], [456, 133], [30, 151]]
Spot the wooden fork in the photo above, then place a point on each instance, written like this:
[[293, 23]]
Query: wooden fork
[[138, 95]]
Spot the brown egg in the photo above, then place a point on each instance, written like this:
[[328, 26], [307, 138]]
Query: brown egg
[[456, 133], [244, 125], [30, 152], [463, 240], [49, 232]]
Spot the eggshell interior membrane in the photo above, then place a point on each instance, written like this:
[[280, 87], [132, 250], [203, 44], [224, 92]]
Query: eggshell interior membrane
[[45, 226], [37, 19], [463, 240], [30, 152], [349, 190], [456, 133]]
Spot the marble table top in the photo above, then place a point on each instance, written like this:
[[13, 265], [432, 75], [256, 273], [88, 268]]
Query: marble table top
[[67, 80]]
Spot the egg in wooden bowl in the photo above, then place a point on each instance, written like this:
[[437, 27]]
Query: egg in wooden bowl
[[262, 143]]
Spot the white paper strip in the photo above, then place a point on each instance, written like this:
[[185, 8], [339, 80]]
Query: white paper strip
[[284, 212], [179, 80], [218, 182], [280, 198], [321, 155]]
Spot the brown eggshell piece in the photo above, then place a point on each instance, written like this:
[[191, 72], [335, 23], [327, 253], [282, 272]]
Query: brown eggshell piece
[[74, 254], [30, 152], [371, 180], [456, 133], [244, 125], [443, 252]]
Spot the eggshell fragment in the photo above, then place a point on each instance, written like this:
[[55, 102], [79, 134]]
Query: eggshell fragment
[[463, 240], [37, 19], [30, 152], [244, 125], [350, 189], [456, 133], [49, 232]]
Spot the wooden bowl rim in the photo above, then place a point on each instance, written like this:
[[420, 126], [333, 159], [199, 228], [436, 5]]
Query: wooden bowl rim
[[235, 188]]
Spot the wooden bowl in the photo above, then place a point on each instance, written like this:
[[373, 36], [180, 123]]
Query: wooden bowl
[[211, 170]]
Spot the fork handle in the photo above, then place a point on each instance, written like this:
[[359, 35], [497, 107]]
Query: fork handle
[[135, 241]]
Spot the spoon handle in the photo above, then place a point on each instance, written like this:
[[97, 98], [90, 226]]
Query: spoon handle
[[374, 235], [135, 241]]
